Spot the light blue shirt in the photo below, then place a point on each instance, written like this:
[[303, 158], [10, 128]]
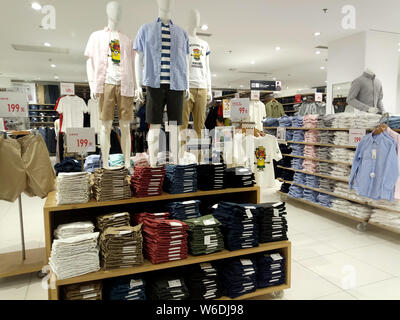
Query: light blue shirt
[[148, 41], [375, 167]]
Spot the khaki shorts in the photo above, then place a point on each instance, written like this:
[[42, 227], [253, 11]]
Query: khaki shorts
[[110, 98], [196, 106], [25, 167]]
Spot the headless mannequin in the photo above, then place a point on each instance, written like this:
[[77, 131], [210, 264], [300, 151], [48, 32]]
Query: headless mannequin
[[164, 13], [114, 14]]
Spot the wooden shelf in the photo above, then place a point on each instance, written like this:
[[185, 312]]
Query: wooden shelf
[[316, 129], [12, 264], [259, 292], [316, 174], [322, 145], [387, 228], [148, 266], [318, 160]]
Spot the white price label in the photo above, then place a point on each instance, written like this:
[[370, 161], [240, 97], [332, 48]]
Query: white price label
[[189, 202], [207, 240], [249, 214], [255, 95], [281, 133], [246, 262], [80, 140], [240, 108], [136, 283], [117, 215], [67, 88], [318, 97], [174, 283], [209, 222], [205, 266], [276, 212], [355, 136], [276, 256], [13, 104], [175, 224]]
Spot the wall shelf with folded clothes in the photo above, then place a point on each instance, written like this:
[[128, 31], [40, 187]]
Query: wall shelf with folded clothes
[[321, 129], [316, 174], [318, 160], [322, 145]]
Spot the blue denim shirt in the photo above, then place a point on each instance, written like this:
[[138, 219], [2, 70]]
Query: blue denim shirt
[[375, 176], [148, 41]]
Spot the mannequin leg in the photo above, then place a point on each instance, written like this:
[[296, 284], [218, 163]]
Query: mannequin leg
[[153, 143], [173, 143], [105, 141], [126, 141]]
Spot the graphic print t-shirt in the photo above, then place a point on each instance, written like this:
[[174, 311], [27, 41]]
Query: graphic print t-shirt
[[113, 75], [198, 74]]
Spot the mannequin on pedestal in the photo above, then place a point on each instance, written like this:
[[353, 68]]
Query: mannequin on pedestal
[[111, 78], [162, 50]]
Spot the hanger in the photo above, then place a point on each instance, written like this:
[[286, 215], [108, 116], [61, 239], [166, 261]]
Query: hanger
[[380, 129]]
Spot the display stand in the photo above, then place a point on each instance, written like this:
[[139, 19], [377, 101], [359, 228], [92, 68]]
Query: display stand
[[56, 214]]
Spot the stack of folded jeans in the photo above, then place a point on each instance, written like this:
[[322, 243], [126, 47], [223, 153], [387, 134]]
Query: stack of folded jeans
[[297, 149], [285, 121], [311, 136], [113, 220], [116, 160], [394, 122], [299, 178], [168, 288], [68, 165], [289, 135], [271, 122], [296, 191], [341, 138], [324, 200], [323, 153], [311, 181], [310, 121], [310, 195], [286, 175], [270, 270], [73, 229], [297, 163], [297, 122], [210, 176], [205, 236], [271, 218], [111, 184], [75, 256], [239, 225], [203, 282], [326, 184], [184, 210], [387, 218], [73, 187], [83, 291], [325, 137], [147, 181], [285, 187], [180, 178], [239, 177], [164, 240], [298, 135], [239, 277], [92, 163], [121, 247], [125, 288]]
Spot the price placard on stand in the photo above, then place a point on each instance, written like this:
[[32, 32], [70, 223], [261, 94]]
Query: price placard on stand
[[240, 108], [80, 140], [255, 95], [281, 133], [318, 97], [226, 107], [13, 104], [67, 88], [355, 136]]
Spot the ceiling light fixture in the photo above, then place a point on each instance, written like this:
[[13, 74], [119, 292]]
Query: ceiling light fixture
[[318, 52], [36, 6], [56, 77], [252, 62], [316, 34], [53, 65], [241, 86], [214, 75], [46, 44], [204, 27], [322, 68], [278, 48]]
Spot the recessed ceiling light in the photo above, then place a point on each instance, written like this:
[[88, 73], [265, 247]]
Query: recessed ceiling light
[[241, 86], [55, 77], [399, 49], [46, 44], [316, 34], [214, 75], [252, 62], [36, 6], [318, 52], [326, 81], [322, 68], [277, 48], [204, 27], [53, 65]]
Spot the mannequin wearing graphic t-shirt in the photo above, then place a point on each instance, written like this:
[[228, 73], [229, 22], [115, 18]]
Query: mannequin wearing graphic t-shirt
[[116, 86]]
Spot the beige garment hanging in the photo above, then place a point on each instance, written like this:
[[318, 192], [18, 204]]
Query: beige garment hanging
[[40, 94]]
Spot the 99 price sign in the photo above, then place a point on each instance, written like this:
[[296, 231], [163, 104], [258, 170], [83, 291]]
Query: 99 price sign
[[80, 140], [13, 104]]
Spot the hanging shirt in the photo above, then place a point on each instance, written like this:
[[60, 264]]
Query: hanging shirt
[[199, 76], [72, 109], [257, 114], [94, 111], [165, 75], [113, 73], [375, 167], [396, 137], [274, 109]]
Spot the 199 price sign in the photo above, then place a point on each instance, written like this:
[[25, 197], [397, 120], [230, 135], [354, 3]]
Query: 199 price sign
[[13, 104], [80, 140]]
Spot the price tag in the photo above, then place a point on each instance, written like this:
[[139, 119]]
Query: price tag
[[90, 295], [281, 133], [240, 108], [174, 283], [226, 107], [13, 104], [80, 140], [209, 222], [117, 215], [124, 232], [276, 212], [205, 266], [189, 202], [246, 262], [207, 240], [136, 283], [249, 214], [318, 97], [215, 206], [175, 224], [67, 88], [355, 136], [255, 95], [276, 256]]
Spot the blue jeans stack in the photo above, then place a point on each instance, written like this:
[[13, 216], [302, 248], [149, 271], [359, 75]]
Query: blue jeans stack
[[180, 179], [125, 288], [272, 222], [270, 270], [184, 210]]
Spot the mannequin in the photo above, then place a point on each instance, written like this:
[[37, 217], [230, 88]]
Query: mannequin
[[156, 88], [199, 78], [112, 84], [366, 93]]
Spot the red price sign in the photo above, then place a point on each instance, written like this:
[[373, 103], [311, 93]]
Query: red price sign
[[243, 110], [355, 136], [80, 140], [240, 108], [13, 104], [82, 143]]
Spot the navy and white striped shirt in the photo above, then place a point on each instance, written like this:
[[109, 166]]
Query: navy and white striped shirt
[[165, 54]]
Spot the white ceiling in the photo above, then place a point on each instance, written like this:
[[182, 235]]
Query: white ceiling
[[251, 29]]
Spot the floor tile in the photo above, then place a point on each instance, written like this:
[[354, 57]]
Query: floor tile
[[338, 296], [35, 289], [305, 247], [382, 290], [14, 288]]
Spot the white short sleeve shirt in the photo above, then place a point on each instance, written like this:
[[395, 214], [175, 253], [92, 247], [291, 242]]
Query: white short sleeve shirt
[[72, 109], [198, 74]]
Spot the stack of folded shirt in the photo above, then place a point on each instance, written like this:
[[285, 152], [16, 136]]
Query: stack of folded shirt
[[340, 171], [75, 256], [311, 181], [324, 168], [285, 121], [326, 184], [92, 163], [125, 288], [297, 122], [297, 149], [344, 120], [342, 155], [147, 181], [83, 291], [164, 240], [184, 210], [298, 135], [289, 135], [323, 153], [138, 218], [310, 121], [271, 122], [341, 138], [310, 151], [296, 191], [121, 247], [111, 184], [73, 229], [325, 137], [310, 165], [368, 120], [270, 270], [205, 236], [351, 208], [387, 218], [271, 218], [73, 187], [324, 200], [311, 136], [210, 176], [310, 195], [297, 163], [328, 121], [239, 177], [203, 282], [343, 189], [239, 225], [284, 174], [285, 187], [239, 277], [394, 122], [180, 178], [168, 288], [299, 178], [116, 160], [113, 220]]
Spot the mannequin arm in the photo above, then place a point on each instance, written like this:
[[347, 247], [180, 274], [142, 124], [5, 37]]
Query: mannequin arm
[[209, 92], [90, 76], [352, 98], [138, 76], [187, 93]]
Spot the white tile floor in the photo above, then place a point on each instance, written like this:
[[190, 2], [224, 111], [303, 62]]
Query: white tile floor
[[331, 260]]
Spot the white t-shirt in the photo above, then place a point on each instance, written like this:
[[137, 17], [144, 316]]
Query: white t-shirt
[[94, 111], [257, 113], [72, 109], [198, 74], [113, 74]]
